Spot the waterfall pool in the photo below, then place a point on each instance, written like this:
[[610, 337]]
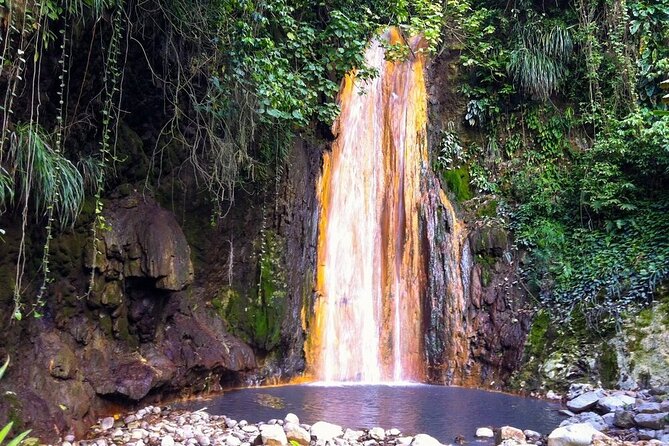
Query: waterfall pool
[[443, 412]]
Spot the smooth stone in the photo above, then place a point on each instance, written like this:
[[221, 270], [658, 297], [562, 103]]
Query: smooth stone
[[69, 438], [202, 440], [651, 420], [509, 433], [243, 423], [573, 435], [230, 423], [591, 418], [377, 434], [291, 418], [167, 440], [352, 435], [273, 435], [613, 403], [484, 432], [583, 402], [117, 433], [664, 405], [66, 443], [646, 434], [566, 412], [404, 441], [425, 440], [101, 442], [393, 432], [552, 395], [664, 438], [129, 419], [364, 443], [233, 441], [648, 408], [322, 430], [138, 434], [532, 436], [296, 433], [107, 423], [608, 419], [623, 419], [250, 429]]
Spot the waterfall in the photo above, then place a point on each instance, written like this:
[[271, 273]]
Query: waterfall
[[370, 275]]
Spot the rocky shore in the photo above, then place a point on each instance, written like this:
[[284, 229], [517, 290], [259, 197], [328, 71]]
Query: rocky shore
[[622, 415], [594, 417], [153, 426]]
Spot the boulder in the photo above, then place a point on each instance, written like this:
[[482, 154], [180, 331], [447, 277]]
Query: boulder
[[608, 419], [291, 418], [613, 403], [273, 435], [377, 433], [591, 418], [509, 433], [646, 434], [583, 402], [651, 420], [484, 432], [532, 436], [322, 430], [296, 433], [623, 419], [353, 436], [425, 440], [573, 435], [649, 408], [107, 423]]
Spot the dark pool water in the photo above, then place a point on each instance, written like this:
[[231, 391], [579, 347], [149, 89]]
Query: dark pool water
[[443, 412]]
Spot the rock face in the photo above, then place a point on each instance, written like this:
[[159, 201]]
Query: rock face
[[476, 335], [144, 241], [475, 338], [137, 332]]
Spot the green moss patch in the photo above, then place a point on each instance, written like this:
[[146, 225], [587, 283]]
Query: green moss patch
[[457, 182]]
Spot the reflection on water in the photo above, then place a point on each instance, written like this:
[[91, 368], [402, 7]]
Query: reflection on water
[[442, 412]]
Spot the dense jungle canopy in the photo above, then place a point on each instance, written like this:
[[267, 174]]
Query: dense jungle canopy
[[563, 136]]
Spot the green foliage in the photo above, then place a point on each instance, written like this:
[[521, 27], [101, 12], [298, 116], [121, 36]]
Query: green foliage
[[537, 63], [43, 176], [577, 157]]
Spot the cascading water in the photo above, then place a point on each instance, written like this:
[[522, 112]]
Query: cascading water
[[367, 322]]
